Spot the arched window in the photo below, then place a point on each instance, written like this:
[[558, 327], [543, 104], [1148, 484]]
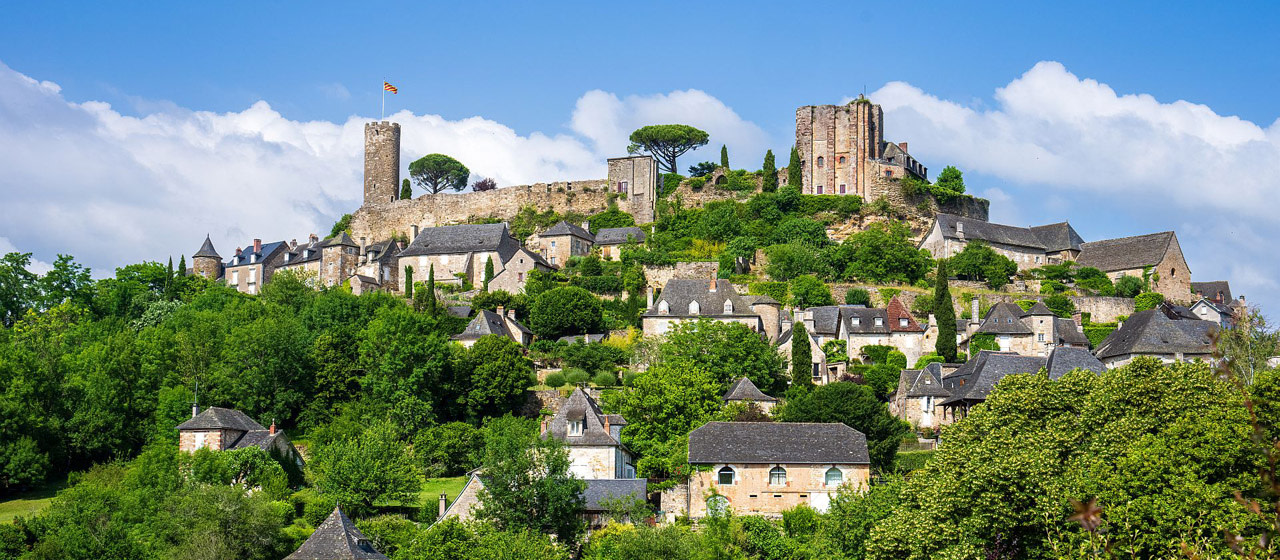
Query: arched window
[[1173, 272], [664, 308], [777, 476], [820, 161], [728, 307], [694, 308], [842, 160], [834, 477], [726, 476]]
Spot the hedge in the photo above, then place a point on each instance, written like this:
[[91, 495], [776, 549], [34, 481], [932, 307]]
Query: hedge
[[599, 284]]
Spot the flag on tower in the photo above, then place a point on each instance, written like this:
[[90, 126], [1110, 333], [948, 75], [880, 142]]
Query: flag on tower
[[388, 87]]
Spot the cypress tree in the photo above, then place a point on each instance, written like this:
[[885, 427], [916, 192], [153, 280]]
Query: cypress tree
[[801, 357], [945, 314], [431, 290], [770, 172], [795, 178], [488, 274], [182, 265], [724, 156], [408, 282], [406, 191]]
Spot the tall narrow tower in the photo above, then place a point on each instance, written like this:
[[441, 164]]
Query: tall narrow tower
[[381, 162]]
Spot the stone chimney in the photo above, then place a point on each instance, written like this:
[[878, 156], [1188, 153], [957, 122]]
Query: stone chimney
[[272, 429], [903, 145], [511, 313], [293, 243], [1242, 304], [712, 289], [444, 504], [238, 251], [501, 311], [649, 299], [195, 409], [313, 238], [1078, 317], [959, 229], [933, 319], [606, 424], [257, 245], [975, 305], [586, 225]]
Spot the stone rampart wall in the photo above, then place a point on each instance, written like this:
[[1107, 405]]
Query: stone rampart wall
[[658, 276]]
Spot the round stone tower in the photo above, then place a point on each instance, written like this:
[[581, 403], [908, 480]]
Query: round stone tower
[[381, 162], [206, 261]]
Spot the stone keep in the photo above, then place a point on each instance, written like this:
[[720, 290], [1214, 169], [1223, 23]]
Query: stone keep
[[381, 162], [835, 144]]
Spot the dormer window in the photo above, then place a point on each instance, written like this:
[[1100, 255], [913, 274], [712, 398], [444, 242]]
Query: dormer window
[[879, 321], [902, 322], [664, 308], [728, 307], [694, 308], [576, 427], [253, 258], [857, 321]]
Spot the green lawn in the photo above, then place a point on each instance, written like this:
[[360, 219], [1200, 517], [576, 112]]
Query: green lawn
[[433, 487], [30, 503]]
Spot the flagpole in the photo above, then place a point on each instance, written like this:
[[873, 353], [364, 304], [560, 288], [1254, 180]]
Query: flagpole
[[383, 115]]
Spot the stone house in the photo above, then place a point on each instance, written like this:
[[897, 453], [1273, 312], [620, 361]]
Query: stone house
[[1157, 334], [501, 322], [1028, 247], [744, 391], [222, 429], [459, 254], [842, 150], [611, 240], [331, 262], [596, 497], [1209, 310], [563, 241], [1034, 332], [857, 326], [972, 382], [337, 538], [919, 397], [206, 261], [304, 259], [765, 468], [822, 371], [592, 437], [1156, 253], [1216, 291], [690, 299], [251, 268]]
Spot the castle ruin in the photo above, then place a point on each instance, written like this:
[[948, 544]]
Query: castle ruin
[[842, 150]]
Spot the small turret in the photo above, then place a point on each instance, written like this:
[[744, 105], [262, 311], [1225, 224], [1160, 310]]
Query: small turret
[[206, 262]]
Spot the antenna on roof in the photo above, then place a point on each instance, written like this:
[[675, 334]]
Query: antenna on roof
[[195, 400]]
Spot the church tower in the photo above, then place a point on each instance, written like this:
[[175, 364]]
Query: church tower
[[381, 162], [206, 261]]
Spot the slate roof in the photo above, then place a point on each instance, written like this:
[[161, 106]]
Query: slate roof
[[922, 383], [337, 538], [987, 231], [268, 250], [1004, 318], [777, 442], [1065, 360], [461, 311], [303, 253], [207, 250], [679, 292], [488, 322], [217, 418], [1152, 332], [584, 338], [744, 390], [341, 240], [262, 439], [973, 382], [1058, 237], [383, 251], [856, 319], [618, 236], [581, 405], [1209, 290], [1067, 333], [468, 238], [566, 228], [600, 490], [1126, 253], [1038, 309]]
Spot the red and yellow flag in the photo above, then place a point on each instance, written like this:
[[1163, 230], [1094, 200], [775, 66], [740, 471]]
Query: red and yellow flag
[[388, 87]]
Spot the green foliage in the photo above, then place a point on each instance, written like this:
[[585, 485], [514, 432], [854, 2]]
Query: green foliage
[[853, 514], [795, 173], [929, 359], [727, 351], [342, 225], [875, 353], [701, 169], [950, 180], [1049, 287], [406, 189], [944, 313], [1095, 281], [982, 341], [1126, 437], [437, 172], [793, 260], [857, 296], [564, 311], [769, 171], [896, 359], [978, 261], [884, 252], [555, 380], [1097, 332], [1025, 304], [801, 357], [857, 407], [1060, 305], [576, 376], [664, 404], [809, 291], [666, 142], [450, 449], [719, 222], [1128, 286], [776, 290], [800, 230], [454, 540], [364, 471], [488, 274], [724, 156], [527, 483], [595, 357], [499, 374], [670, 182], [1147, 300], [604, 379], [610, 218]]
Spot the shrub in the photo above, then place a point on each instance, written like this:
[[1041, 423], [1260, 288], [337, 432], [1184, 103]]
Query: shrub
[[1060, 305], [555, 380], [858, 296], [1026, 304], [1097, 332], [922, 306], [599, 284], [1052, 287], [982, 341], [1147, 300], [574, 376], [605, 379], [896, 359], [1128, 286], [775, 290], [567, 310], [876, 353], [629, 379], [809, 291], [930, 359], [887, 295]]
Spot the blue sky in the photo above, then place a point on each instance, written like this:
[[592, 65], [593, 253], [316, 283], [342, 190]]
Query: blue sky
[[131, 131]]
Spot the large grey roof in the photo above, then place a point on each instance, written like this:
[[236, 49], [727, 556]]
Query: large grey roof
[[974, 380], [1004, 318], [1126, 253], [1038, 309], [580, 405], [1064, 360], [618, 236], [922, 383], [989, 232], [303, 253], [1152, 332], [207, 250], [217, 418], [337, 538], [566, 228], [340, 240], [679, 292], [1207, 289], [268, 250], [603, 489], [744, 390], [468, 238], [486, 323], [1058, 237], [777, 442]]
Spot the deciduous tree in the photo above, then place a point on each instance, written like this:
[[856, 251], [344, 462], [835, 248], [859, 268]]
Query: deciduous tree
[[527, 483]]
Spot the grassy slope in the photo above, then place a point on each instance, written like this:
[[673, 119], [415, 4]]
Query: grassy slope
[[433, 487], [29, 503]]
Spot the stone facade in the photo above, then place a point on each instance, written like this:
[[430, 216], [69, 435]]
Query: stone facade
[[191, 440], [381, 163], [842, 150], [657, 277], [1172, 277], [208, 267], [752, 494], [339, 262]]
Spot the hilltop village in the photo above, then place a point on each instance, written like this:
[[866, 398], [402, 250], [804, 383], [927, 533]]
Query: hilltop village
[[839, 357]]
